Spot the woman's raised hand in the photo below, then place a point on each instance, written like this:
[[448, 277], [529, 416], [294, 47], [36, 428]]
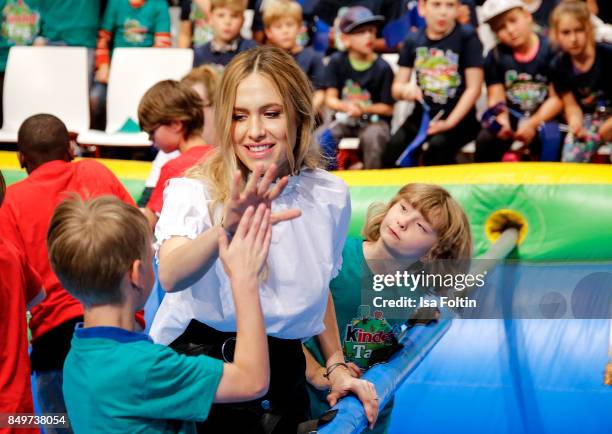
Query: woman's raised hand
[[258, 189]]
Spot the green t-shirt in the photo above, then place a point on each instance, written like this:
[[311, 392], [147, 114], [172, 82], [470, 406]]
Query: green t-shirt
[[74, 22], [116, 381], [136, 27], [20, 25], [353, 317]]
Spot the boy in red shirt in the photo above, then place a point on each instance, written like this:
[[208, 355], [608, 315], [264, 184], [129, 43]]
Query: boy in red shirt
[[171, 113], [20, 285], [44, 151]]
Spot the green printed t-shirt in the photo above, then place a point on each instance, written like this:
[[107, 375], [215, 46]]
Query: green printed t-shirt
[[20, 25], [358, 329], [119, 381], [73, 22], [136, 27]]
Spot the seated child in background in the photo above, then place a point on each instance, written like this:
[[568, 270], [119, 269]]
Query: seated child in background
[[126, 23], [358, 85], [283, 21], [204, 80], [172, 114], [421, 224], [44, 150], [20, 289], [226, 19], [580, 78], [447, 58], [517, 73], [194, 29], [118, 380]]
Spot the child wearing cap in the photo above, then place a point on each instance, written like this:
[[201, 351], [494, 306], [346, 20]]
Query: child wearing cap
[[226, 19], [518, 75], [358, 84], [447, 58]]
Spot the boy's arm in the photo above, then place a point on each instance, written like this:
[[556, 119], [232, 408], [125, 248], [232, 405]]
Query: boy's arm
[[473, 85], [184, 36], [573, 114], [379, 108], [248, 376], [496, 93], [161, 37], [402, 88], [315, 372], [103, 44], [605, 131], [333, 102], [547, 111]]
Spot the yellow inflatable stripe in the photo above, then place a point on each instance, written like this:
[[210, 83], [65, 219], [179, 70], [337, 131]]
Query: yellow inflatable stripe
[[124, 169], [491, 173]]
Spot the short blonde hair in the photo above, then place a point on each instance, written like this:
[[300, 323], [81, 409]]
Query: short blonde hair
[[93, 244], [168, 101], [208, 77], [235, 5], [440, 210], [295, 89], [577, 9], [276, 9]]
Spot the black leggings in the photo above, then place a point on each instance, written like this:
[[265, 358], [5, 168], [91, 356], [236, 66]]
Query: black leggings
[[281, 410]]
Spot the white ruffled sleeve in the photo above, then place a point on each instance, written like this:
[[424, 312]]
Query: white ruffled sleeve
[[185, 211]]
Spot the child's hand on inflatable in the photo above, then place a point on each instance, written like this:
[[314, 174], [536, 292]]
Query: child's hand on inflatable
[[258, 190], [245, 255], [344, 383], [354, 370]]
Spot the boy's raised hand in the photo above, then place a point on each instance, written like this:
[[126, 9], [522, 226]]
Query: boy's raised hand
[[246, 254], [258, 190]]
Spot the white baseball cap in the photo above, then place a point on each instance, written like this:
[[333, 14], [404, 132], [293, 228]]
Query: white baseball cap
[[494, 8]]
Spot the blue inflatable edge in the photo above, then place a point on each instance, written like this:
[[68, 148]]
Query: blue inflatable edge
[[387, 377]]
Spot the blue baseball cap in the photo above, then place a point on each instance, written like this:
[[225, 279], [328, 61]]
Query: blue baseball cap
[[358, 16]]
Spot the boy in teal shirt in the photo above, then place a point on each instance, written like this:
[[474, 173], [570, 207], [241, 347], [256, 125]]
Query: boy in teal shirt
[[118, 380], [20, 26], [126, 23]]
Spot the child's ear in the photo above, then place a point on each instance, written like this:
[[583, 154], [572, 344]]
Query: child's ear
[[345, 40], [21, 159], [135, 274], [176, 126]]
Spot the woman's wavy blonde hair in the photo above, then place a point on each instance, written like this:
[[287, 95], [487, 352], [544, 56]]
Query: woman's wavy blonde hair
[[444, 215], [296, 92]]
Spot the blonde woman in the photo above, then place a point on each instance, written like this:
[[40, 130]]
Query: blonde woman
[[264, 122]]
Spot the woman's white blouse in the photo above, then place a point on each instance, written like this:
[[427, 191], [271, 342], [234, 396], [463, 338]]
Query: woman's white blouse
[[305, 254]]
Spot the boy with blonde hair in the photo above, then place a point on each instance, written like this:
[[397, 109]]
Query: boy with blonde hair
[[118, 380], [226, 18], [283, 22]]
